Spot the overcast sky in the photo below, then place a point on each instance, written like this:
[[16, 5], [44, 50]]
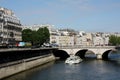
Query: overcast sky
[[87, 15]]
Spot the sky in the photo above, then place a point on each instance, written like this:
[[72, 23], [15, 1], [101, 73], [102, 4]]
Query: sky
[[85, 15]]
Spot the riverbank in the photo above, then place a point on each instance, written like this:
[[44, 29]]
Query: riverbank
[[11, 68]]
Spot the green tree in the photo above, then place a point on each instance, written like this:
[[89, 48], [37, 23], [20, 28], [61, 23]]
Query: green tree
[[35, 40], [26, 35], [114, 40], [43, 35], [46, 34], [36, 37], [40, 36]]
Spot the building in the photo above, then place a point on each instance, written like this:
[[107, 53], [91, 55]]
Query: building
[[84, 39], [70, 37], [100, 39], [66, 40], [37, 26], [10, 27]]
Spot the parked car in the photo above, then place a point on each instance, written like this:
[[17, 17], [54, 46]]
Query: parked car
[[54, 45]]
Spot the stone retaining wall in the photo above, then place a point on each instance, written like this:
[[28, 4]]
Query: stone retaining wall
[[9, 69]]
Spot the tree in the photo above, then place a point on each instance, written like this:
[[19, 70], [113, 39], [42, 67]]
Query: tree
[[43, 35], [114, 40], [35, 40], [26, 35], [36, 37], [46, 34]]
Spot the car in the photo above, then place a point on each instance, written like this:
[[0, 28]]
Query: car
[[54, 45]]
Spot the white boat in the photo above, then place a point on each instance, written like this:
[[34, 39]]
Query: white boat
[[73, 60]]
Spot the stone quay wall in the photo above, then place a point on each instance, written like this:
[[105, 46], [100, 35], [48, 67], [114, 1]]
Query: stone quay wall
[[11, 68]]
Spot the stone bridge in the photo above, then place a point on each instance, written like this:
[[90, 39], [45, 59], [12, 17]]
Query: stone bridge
[[101, 52]]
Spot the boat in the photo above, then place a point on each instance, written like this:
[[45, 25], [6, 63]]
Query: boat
[[73, 60]]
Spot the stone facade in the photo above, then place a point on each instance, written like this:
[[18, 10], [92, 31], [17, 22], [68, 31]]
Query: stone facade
[[10, 27]]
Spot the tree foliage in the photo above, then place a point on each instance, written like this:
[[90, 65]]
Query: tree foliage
[[26, 35], [114, 40], [36, 37], [46, 34]]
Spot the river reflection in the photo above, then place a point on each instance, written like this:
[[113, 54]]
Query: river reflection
[[89, 69]]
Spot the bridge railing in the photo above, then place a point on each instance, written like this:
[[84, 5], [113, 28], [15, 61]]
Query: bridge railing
[[85, 47]]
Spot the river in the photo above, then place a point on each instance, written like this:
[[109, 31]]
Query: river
[[88, 69]]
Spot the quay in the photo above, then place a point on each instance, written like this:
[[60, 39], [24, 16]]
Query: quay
[[15, 60]]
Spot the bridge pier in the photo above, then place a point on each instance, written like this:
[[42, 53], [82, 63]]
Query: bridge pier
[[99, 56]]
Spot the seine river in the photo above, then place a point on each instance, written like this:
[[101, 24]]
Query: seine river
[[89, 69]]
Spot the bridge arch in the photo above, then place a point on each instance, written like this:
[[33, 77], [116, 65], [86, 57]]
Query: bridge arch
[[83, 52], [61, 54], [106, 53]]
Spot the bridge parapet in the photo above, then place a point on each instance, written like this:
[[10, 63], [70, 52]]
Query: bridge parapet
[[87, 47]]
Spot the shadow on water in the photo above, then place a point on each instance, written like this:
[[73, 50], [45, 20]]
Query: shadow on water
[[114, 58], [27, 74]]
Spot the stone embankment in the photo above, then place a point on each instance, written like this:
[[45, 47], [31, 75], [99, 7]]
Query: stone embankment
[[11, 68]]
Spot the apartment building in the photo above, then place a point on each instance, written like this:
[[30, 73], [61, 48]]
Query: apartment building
[[64, 37], [100, 39], [69, 37], [84, 39], [10, 27], [66, 40]]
